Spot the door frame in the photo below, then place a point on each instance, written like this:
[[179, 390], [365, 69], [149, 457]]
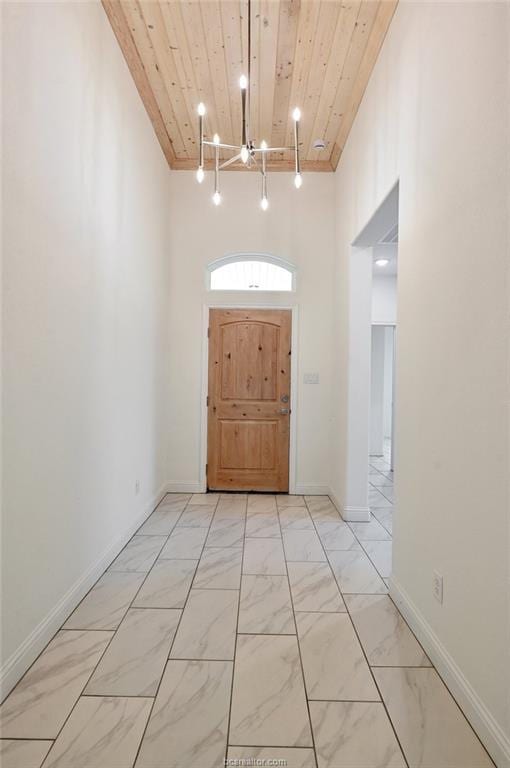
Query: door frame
[[293, 308]]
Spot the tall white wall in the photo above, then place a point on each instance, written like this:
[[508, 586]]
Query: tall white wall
[[85, 313], [299, 226], [435, 117]]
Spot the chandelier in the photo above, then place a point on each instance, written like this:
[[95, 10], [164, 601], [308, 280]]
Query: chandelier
[[246, 153]]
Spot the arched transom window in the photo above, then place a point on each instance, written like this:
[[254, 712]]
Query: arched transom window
[[251, 272]]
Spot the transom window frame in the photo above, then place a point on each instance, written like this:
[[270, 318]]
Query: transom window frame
[[233, 258]]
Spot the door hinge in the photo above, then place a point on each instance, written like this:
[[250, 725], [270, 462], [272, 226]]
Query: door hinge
[[207, 401], [208, 332], [206, 469]]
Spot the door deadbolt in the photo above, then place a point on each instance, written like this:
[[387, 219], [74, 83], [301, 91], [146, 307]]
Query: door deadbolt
[[284, 398]]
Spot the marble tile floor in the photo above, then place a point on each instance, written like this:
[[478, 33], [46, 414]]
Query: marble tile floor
[[240, 627]]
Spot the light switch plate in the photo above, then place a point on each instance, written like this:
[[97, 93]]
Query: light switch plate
[[311, 378]]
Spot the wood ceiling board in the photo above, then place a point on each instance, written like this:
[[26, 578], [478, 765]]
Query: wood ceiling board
[[164, 54], [322, 51], [215, 52], [378, 33], [315, 54], [122, 32], [232, 40], [285, 54], [307, 34], [345, 24], [270, 14], [148, 57], [359, 40]]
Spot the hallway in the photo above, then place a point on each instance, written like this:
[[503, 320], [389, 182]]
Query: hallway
[[246, 626]]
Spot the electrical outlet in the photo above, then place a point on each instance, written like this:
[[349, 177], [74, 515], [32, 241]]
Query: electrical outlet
[[137, 487], [437, 586]]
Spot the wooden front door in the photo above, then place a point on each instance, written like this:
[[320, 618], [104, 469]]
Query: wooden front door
[[249, 399]]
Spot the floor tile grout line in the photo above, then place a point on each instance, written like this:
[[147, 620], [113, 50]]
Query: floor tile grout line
[[270, 746], [299, 650], [78, 698], [378, 541], [332, 573], [393, 602], [204, 547], [229, 721], [114, 632], [115, 696], [135, 535], [370, 669], [25, 738], [434, 668], [61, 628], [191, 584], [168, 659], [130, 606]]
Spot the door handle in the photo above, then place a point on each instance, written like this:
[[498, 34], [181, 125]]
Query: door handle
[[284, 411]]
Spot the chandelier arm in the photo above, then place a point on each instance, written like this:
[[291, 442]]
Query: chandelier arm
[[221, 146], [273, 149], [230, 161]]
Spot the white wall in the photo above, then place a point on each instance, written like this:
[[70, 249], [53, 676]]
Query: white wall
[[384, 299], [389, 341], [381, 387], [299, 226], [434, 117], [377, 377], [85, 246]]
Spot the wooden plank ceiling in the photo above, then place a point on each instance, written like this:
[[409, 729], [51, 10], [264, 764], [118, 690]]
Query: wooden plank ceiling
[[315, 54]]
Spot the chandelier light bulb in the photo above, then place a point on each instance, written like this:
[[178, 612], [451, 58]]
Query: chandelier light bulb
[[216, 139], [243, 82], [200, 175], [298, 180], [244, 154], [201, 109], [216, 198], [297, 114], [263, 144], [264, 203]]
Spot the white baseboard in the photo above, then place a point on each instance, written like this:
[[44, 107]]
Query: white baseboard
[[185, 488], [335, 501], [490, 732], [311, 490], [356, 514], [351, 514], [17, 664], [301, 490]]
